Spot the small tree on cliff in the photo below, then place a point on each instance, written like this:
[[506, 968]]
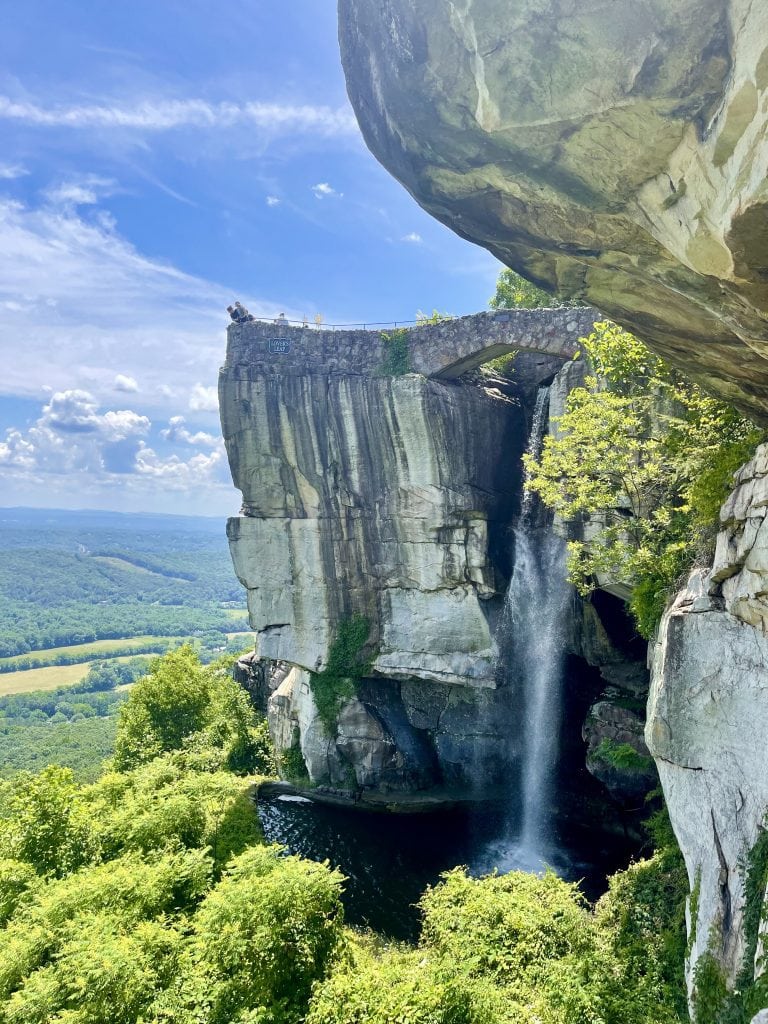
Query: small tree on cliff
[[648, 456], [514, 292]]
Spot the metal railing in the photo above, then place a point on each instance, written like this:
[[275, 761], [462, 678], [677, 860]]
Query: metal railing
[[322, 326]]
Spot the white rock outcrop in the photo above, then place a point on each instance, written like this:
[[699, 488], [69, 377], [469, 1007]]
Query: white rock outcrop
[[707, 724]]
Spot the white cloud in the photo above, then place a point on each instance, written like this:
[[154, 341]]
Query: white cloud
[[72, 434], [179, 474], [86, 301], [10, 171], [86, 191], [204, 399], [76, 454], [125, 383], [325, 191], [177, 432], [163, 115], [273, 201], [413, 237]]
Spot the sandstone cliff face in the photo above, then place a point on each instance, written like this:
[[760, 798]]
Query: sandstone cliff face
[[708, 721], [388, 497], [618, 154], [393, 498], [377, 496]]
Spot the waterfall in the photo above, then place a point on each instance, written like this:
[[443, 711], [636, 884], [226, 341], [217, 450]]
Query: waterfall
[[532, 644]]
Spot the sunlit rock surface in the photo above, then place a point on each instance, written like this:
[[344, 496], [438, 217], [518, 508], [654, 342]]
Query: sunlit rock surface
[[372, 495], [708, 718], [614, 153]]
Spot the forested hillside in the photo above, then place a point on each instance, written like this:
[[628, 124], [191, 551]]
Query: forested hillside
[[74, 577]]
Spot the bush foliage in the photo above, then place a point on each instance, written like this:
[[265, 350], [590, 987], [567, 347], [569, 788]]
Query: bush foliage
[[148, 897], [649, 457]]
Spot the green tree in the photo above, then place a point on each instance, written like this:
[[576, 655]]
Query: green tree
[[43, 822], [163, 709], [513, 291], [183, 704], [648, 457]]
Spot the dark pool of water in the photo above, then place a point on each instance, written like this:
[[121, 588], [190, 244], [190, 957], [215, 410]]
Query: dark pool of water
[[390, 859]]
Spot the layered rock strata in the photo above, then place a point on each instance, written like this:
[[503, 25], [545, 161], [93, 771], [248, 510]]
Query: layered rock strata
[[376, 496], [393, 498], [618, 157], [387, 497], [708, 724]]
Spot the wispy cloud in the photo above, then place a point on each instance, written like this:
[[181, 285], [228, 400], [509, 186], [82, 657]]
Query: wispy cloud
[[10, 171], [325, 191], [164, 115], [86, 191], [86, 302], [414, 238]]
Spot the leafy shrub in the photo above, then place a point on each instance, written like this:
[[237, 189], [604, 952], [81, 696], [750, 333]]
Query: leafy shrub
[[43, 822], [167, 804], [396, 361], [130, 889], [17, 884], [373, 985], [262, 938]]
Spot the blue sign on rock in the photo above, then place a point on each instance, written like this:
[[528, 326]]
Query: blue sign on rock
[[280, 346]]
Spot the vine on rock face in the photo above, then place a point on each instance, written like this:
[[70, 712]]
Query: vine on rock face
[[396, 362], [648, 458], [713, 1002], [337, 683]]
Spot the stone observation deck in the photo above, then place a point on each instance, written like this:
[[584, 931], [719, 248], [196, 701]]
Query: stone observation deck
[[443, 350]]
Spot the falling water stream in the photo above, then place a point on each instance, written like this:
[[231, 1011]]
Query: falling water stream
[[532, 644]]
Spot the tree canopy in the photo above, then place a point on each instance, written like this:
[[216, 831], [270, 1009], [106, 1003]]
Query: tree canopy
[[647, 457]]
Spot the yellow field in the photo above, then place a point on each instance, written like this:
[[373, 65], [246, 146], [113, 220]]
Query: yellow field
[[41, 678], [95, 649], [48, 678]]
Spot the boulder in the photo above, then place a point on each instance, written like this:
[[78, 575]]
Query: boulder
[[707, 724], [616, 154]]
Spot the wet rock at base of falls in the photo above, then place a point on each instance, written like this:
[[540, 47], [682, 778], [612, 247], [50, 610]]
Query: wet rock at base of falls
[[397, 737], [616, 751], [617, 158]]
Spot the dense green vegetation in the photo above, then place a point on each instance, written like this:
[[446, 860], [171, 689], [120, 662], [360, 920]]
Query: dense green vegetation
[[70, 578], [148, 896], [649, 456], [81, 744], [513, 291], [396, 361], [347, 663], [73, 726]]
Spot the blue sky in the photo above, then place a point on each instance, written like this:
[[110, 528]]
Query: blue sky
[[159, 160]]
